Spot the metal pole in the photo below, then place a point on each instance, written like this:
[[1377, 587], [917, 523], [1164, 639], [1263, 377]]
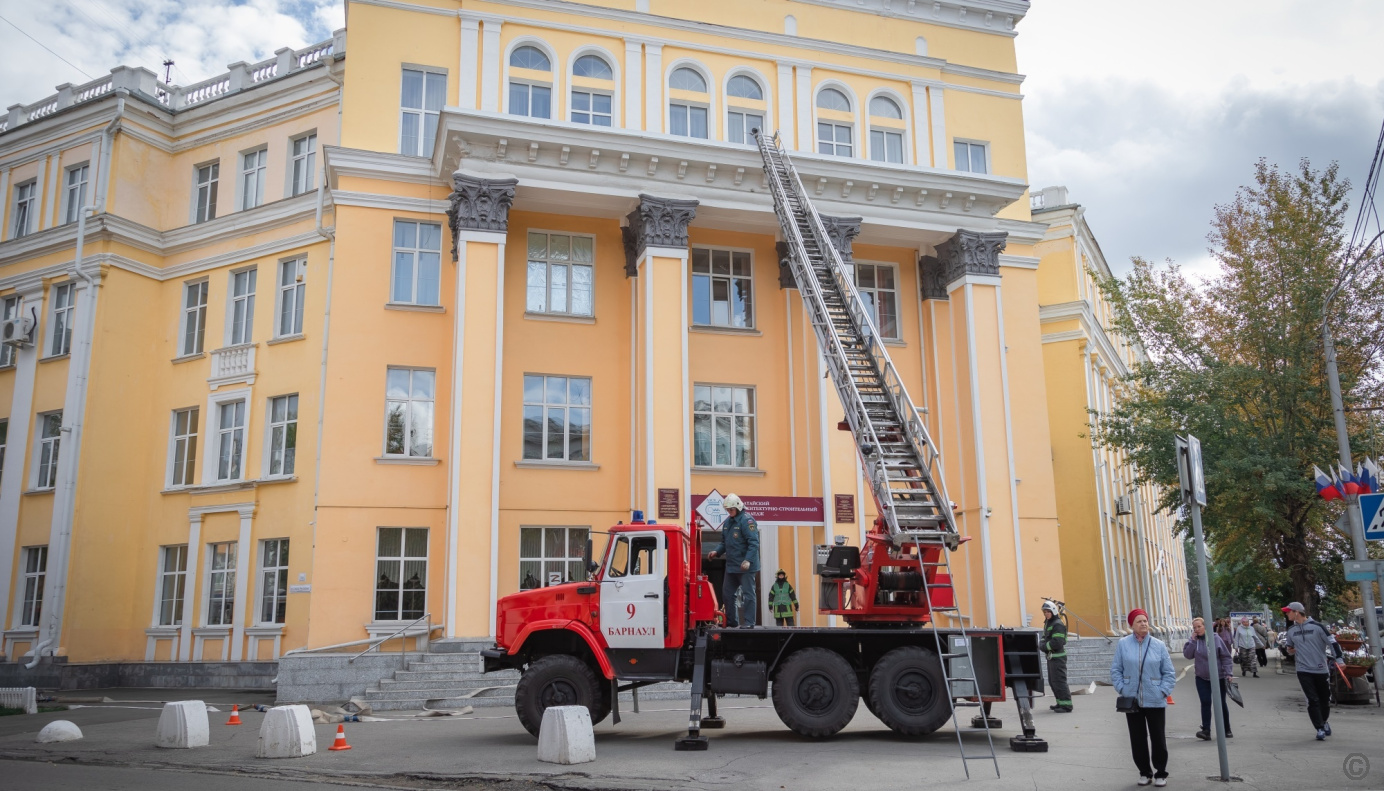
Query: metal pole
[[1209, 621], [1357, 529]]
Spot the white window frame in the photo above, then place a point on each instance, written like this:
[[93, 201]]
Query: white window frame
[[612, 90], [30, 598], [970, 145], [263, 572], [415, 255], [178, 577], [551, 84], [211, 436], [241, 303], [45, 476], [905, 142], [401, 558], [10, 308], [730, 279], [74, 192], [591, 94], [225, 612], [570, 265], [182, 448], [709, 104], [742, 109], [290, 298], [193, 319], [545, 558], [276, 435], [854, 124], [712, 414], [422, 145], [24, 215], [62, 311], [251, 175], [566, 407], [408, 414], [302, 179], [205, 210], [873, 300]]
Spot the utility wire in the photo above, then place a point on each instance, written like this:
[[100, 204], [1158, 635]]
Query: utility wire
[[45, 46]]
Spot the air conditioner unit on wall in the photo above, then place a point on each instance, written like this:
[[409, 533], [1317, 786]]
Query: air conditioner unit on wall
[[1123, 506], [17, 331]]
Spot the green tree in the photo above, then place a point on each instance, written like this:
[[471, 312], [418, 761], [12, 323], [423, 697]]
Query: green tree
[[1236, 359]]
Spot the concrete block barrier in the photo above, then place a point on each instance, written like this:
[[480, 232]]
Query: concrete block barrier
[[287, 733], [566, 737], [59, 731], [183, 725]]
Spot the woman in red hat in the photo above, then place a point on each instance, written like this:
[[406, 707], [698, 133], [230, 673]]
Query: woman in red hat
[[1142, 673]]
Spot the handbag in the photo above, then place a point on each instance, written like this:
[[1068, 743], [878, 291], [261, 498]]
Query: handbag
[[1233, 690], [1129, 704]]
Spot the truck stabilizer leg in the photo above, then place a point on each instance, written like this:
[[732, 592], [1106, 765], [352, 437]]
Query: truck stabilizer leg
[[694, 740], [980, 720], [713, 720], [1029, 741]]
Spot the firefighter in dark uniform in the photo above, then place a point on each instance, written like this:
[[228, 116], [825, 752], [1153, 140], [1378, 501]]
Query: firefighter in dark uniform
[[740, 545], [783, 601], [1055, 648]]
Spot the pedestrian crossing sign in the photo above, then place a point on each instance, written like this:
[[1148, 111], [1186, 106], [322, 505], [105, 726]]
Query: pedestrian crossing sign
[[1372, 516]]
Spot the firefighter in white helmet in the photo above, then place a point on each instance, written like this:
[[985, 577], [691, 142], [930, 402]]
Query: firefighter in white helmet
[[740, 545], [1054, 646]]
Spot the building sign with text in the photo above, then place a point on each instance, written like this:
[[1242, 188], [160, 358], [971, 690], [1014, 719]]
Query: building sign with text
[[767, 511]]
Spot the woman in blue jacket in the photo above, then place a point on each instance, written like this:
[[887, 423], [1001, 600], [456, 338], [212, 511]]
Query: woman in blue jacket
[[1143, 670]]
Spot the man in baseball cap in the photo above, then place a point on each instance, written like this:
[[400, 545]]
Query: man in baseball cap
[[1309, 642]]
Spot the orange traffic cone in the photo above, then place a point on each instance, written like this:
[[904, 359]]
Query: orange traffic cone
[[1171, 702], [340, 743], [235, 715]]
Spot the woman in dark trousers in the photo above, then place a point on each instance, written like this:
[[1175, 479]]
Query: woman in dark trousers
[[1195, 649], [1143, 670]]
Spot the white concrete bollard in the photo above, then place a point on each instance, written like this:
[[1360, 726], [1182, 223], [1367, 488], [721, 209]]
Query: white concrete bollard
[[566, 736], [183, 724], [59, 731], [287, 733]]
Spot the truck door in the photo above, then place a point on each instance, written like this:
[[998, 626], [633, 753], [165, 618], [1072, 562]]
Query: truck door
[[632, 591]]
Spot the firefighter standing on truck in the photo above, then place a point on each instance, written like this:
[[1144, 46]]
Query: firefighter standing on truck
[[740, 545], [783, 601], [1054, 646]]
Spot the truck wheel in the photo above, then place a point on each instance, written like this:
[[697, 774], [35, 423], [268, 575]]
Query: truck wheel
[[816, 692], [908, 693], [557, 680]]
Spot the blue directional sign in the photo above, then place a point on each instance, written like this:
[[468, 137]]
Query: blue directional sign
[[1373, 516]]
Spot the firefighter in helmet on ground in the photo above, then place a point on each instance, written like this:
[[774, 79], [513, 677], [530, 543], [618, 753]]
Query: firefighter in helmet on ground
[[740, 545], [783, 601], [1054, 646]]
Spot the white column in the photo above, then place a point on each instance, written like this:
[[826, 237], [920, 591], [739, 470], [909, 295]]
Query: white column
[[922, 140], [50, 193], [803, 100], [653, 88], [634, 76], [466, 69], [17, 451], [244, 567], [937, 108], [490, 65], [190, 586], [786, 127]]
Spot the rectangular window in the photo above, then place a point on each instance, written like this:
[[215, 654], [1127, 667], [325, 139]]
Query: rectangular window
[[557, 418], [886, 145], [302, 161], [551, 556], [401, 569], [172, 584], [25, 209], [533, 101], [75, 192], [292, 290], [208, 180], [273, 580], [35, 569], [9, 309], [408, 412], [194, 317], [723, 426], [417, 257], [589, 107], [741, 124], [4, 444], [64, 310], [420, 101], [878, 286], [221, 584], [283, 434], [49, 443], [560, 274], [252, 167], [242, 306], [687, 120], [185, 447], [834, 139], [230, 440], [971, 157], [722, 293]]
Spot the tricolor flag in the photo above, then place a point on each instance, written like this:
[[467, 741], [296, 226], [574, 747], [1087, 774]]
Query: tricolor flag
[[1367, 483], [1326, 486], [1373, 469], [1348, 483]]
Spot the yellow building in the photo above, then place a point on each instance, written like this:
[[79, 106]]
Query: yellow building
[[516, 275]]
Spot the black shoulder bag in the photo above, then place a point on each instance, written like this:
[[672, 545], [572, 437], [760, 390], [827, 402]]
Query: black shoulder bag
[[1129, 704]]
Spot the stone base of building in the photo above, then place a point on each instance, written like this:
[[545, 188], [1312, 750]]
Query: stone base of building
[[50, 674]]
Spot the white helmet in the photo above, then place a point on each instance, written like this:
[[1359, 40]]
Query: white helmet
[[1049, 604], [732, 501]]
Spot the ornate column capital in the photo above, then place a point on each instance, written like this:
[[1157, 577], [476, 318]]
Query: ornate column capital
[[971, 253], [655, 222], [932, 278], [842, 232], [479, 204]]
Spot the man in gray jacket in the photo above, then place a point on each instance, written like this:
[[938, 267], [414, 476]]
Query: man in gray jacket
[[1309, 643]]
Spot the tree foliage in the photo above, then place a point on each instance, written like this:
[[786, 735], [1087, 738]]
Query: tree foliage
[[1237, 360]]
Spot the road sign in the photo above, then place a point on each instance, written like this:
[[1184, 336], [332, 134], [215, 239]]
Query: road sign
[[1363, 570], [1372, 516], [1189, 469]]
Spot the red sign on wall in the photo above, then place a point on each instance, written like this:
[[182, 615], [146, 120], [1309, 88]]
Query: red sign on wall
[[845, 508], [668, 504], [767, 510]]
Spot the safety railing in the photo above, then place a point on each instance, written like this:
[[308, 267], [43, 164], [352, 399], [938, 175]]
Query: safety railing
[[402, 634]]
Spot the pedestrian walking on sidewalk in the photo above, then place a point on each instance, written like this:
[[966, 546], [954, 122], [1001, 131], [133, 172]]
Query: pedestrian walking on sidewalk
[[1264, 641], [1143, 677], [1195, 650], [1246, 643], [783, 601], [1310, 644], [1054, 647]]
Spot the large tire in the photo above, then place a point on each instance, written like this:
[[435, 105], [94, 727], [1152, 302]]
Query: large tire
[[816, 692], [558, 680], [908, 692]]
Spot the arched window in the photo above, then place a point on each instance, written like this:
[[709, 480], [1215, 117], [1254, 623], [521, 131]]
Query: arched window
[[745, 108], [530, 83], [835, 124], [688, 103], [593, 91], [886, 130]]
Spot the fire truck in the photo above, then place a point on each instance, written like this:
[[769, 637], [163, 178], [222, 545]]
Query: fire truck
[[649, 611]]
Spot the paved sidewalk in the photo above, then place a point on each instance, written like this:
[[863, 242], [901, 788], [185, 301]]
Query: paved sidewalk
[[1273, 748]]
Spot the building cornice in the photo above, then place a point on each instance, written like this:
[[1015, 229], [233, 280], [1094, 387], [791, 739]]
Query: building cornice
[[376, 200], [359, 163], [1094, 332], [997, 17]]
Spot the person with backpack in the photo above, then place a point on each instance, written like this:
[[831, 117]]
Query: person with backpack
[[1311, 646]]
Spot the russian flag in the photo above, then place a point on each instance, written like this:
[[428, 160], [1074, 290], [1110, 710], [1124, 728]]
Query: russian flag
[[1364, 479], [1326, 487], [1373, 469], [1348, 483]]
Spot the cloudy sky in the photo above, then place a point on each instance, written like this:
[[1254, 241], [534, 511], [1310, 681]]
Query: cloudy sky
[[1150, 113]]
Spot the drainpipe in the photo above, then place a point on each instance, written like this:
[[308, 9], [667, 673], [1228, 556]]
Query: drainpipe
[[65, 504]]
